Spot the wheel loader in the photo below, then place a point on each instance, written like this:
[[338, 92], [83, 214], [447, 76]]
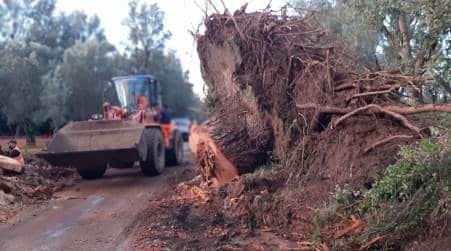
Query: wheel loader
[[130, 132]]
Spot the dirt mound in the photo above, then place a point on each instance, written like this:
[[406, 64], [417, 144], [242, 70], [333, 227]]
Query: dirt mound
[[38, 182], [195, 216]]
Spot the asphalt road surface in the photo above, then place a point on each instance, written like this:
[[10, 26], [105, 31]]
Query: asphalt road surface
[[92, 215]]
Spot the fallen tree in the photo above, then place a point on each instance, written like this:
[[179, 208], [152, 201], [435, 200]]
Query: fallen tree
[[323, 132], [280, 87]]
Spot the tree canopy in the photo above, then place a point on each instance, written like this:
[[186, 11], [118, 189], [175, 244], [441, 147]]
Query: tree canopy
[[54, 66], [413, 36]]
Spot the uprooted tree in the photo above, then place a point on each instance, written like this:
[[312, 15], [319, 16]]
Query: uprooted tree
[[280, 87]]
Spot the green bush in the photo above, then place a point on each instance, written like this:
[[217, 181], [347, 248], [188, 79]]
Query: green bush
[[416, 167], [413, 192], [401, 202]]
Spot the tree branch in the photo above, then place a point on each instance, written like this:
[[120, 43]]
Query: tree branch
[[214, 7]]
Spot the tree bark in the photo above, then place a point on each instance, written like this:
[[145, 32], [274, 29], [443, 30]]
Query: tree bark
[[405, 52], [443, 84]]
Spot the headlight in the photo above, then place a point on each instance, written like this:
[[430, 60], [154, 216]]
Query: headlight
[[97, 116]]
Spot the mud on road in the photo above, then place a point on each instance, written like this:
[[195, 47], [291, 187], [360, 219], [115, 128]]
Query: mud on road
[[92, 215]]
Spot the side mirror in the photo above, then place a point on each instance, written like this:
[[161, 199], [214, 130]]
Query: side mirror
[[107, 88]]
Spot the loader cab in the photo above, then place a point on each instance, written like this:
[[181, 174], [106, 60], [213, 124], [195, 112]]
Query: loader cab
[[136, 92]]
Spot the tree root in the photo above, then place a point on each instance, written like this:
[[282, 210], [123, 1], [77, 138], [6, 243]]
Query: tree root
[[396, 112], [386, 140], [378, 109], [324, 109], [419, 109], [370, 243], [405, 110], [364, 94], [345, 86], [357, 224]]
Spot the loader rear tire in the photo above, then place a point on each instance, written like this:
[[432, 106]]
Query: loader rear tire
[[90, 173], [153, 162], [174, 156]]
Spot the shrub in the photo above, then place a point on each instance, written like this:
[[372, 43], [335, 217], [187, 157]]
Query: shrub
[[413, 192]]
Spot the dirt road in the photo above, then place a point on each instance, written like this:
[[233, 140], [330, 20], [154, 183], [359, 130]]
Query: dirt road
[[93, 215]]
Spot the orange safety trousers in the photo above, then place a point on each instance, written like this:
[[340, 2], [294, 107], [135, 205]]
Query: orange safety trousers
[[166, 129]]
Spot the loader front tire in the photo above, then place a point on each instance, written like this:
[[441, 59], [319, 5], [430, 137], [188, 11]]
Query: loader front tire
[[153, 162], [174, 156], [91, 173]]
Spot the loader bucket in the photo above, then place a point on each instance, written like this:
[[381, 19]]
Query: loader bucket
[[95, 143]]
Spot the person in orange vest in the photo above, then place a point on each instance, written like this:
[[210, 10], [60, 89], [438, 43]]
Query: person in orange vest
[[143, 103], [15, 152]]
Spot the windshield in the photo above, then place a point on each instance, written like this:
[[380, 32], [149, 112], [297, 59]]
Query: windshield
[[131, 92]]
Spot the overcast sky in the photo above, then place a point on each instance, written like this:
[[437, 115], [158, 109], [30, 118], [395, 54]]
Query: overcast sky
[[181, 16]]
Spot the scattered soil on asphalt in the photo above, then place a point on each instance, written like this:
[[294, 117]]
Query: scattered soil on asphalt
[[97, 214], [38, 182], [196, 216]]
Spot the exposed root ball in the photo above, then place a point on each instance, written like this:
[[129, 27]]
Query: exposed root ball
[[280, 86]]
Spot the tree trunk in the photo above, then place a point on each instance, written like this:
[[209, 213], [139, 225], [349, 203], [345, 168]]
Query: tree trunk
[[405, 52], [30, 134], [443, 84]]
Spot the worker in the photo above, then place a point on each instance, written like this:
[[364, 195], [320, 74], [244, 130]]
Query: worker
[[143, 102], [140, 101], [156, 110], [14, 151], [166, 114], [165, 121]]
